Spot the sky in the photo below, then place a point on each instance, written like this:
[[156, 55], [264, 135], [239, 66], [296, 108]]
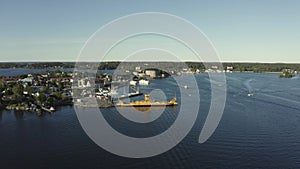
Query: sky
[[240, 30]]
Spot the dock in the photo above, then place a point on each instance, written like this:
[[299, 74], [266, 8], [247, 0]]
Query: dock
[[128, 95]]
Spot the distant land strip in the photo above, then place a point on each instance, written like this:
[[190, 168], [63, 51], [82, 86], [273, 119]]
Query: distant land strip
[[234, 66]]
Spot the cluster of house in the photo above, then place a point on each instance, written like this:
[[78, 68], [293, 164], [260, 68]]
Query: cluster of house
[[36, 91], [89, 87], [108, 86], [156, 73], [288, 73], [217, 69]]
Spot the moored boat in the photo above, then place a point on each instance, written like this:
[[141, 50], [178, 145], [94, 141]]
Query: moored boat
[[144, 82], [147, 103]]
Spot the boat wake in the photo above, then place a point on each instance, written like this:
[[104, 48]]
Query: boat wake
[[277, 100], [249, 87]]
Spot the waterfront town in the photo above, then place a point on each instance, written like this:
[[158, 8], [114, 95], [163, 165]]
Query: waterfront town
[[36, 92], [45, 91]]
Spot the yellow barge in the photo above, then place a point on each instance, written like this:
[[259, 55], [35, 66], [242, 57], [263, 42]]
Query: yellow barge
[[146, 103]]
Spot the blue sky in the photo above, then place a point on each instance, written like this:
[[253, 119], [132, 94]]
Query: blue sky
[[241, 30]]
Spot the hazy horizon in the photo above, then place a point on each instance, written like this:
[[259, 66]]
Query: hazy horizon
[[61, 61], [264, 31]]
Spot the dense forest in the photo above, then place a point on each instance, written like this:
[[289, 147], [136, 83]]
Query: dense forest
[[262, 67]]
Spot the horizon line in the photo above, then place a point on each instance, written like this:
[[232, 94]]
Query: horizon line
[[69, 61]]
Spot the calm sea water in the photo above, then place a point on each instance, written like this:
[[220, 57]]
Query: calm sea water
[[261, 131]]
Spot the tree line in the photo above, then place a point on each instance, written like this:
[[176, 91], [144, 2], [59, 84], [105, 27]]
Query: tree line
[[254, 67]]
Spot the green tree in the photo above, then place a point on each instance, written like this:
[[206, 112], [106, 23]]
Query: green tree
[[2, 86], [42, 97], [60, 86], [44, 89], [50, 100], [28, 89], [57, 95], [8, 91], [23, 76], [18, 89]]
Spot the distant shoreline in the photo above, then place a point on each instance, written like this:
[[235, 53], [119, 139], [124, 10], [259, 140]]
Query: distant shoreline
[[231, 66]]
